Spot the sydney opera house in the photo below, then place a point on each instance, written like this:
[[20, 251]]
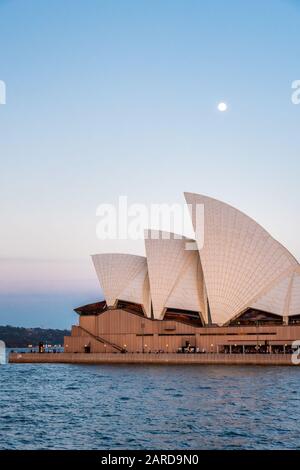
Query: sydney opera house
[[239, 292]]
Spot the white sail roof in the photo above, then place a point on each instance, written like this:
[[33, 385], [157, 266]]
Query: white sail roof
[[239, 258], [123, 277], [175, 273]]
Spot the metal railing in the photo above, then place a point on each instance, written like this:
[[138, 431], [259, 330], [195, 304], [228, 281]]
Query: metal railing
[[102, 340]]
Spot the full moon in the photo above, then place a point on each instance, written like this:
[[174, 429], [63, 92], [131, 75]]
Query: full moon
[[222, 107]]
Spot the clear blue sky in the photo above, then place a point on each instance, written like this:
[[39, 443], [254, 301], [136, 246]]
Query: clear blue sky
[[119, 97]]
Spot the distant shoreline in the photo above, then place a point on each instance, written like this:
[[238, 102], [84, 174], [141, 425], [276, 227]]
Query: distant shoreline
[[20, 337]]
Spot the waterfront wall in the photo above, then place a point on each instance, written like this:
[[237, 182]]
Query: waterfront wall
[[165, 358]]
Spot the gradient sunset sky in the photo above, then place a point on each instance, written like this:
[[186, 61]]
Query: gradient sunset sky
[[109, 98]]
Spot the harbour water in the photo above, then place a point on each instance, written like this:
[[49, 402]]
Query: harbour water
[[61, 406]]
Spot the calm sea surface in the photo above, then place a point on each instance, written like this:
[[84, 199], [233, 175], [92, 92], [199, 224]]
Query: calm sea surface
[[149, 407]]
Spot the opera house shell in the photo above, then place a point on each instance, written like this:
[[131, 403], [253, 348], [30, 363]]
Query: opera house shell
[[239, 289]]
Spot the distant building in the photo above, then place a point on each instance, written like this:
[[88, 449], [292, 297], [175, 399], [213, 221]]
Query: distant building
[[240, 291]]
